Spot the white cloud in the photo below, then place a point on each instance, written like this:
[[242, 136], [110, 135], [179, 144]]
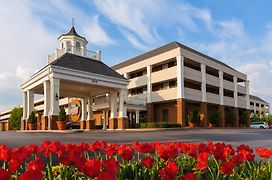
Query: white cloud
[[134, 41], [95, 34], [133, 16]]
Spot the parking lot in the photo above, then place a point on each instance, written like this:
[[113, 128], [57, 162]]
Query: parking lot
[[252, 137]]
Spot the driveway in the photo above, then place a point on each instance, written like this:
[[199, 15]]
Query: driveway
[[251, 137]]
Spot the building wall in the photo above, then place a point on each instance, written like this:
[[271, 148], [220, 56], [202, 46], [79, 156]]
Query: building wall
[[171, 107]]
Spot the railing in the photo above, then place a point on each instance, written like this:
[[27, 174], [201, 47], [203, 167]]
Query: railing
[[76, 51], [135, 101]]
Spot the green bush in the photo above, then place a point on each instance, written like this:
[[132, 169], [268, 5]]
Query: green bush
[[62, 114], [98, 127], [32, 118], [158, 125], [15, 118]]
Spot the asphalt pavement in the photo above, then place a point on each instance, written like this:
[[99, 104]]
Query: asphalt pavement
[[252, 137]]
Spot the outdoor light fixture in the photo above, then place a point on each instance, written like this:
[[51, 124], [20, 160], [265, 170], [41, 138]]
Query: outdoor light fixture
[[57, 97]]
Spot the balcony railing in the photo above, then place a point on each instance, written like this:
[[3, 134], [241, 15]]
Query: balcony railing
[[77, 51]]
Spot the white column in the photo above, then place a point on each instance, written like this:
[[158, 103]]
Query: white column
[[149, 84], [126, 75], [46, 97], [83, 109], [180, 76], [113, 104], [235, 91], [255, 108], [89, 109], [54, 93], [24, 105], [137, 112], [104, 120], [122, 106], [30, 102], [247, 94], [221, 89], [203, 83]]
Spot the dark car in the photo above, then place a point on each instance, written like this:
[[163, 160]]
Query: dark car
[[72, 125]]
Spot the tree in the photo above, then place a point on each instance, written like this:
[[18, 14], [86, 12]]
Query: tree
[[15, 118]]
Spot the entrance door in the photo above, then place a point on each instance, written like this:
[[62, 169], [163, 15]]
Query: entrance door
[[165, 115]]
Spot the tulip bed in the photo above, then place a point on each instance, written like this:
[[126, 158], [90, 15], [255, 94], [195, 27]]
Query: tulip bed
[[102, 161]]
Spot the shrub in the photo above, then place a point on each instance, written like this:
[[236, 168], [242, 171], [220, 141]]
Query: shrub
[[32, 118], [62, 114], [98, 127], [158, 125], [15, 118]]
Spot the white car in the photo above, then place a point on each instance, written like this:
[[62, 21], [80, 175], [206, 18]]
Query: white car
[[259, 125]]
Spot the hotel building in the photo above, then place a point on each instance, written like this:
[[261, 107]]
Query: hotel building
[[162, 85]]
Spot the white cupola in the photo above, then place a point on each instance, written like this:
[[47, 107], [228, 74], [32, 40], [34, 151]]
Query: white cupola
[[72, 42], [75, 44]]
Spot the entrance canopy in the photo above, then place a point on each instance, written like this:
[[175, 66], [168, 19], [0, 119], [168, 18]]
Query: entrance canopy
[[73, 76]]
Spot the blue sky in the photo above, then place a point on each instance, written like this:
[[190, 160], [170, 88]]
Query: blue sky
[[238, 33]]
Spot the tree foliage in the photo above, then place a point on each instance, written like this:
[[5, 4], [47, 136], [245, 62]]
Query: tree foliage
[[15, 117]]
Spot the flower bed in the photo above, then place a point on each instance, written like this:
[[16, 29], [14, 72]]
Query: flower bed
[[99, 160]]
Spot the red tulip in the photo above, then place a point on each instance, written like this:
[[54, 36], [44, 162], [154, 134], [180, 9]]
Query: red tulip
[[144, 147], [173, 167], [189, 176], [203, 157], [111, 149], [126, 152], [107, 175], [37, 165], [13, 165], [200, 165], [263, 152], [227, 167], [111, 165], [147, 162], [5, 175], [4, 153], [92, 167], [98, 145], [31, 175]]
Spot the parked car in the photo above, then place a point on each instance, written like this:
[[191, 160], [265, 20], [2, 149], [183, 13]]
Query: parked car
[[259, 125], [72, 125]]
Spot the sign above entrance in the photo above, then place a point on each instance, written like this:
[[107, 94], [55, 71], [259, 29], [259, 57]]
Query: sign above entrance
[[75, 111]]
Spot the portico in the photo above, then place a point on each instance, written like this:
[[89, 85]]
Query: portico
[[78, 75]]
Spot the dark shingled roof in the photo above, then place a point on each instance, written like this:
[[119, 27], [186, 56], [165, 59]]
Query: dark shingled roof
[[72, 32], [80, 63], [256, 98], [162, 49]]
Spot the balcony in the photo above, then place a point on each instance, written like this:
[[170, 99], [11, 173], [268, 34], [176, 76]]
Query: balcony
[[137, 82], [241, 89], [77, 51], [135, 101], [192, 74], [212, 80], [228, 101], [242, 102], [228, 85], [164, 75], [163, 95], [193, 94], [213, 98]]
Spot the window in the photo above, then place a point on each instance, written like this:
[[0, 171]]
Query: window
[[164, 66], [166, 85], [165, 115], [77, 45]]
